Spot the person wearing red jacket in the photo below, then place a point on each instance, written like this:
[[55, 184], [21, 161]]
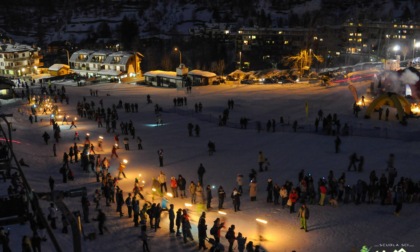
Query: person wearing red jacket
[[323, 192], [293, 197]]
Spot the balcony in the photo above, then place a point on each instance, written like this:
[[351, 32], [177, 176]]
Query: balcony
[[10, 59]]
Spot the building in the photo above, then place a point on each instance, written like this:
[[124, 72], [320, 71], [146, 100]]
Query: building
[[106, 64], [6, 88], [18, 60], [179, 79], [382, 39], [59, 69]]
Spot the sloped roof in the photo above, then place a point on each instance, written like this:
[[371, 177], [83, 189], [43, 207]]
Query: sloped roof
[[57, 67], [202, 73]]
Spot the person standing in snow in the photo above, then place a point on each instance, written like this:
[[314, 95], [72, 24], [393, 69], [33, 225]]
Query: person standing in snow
[[304, 216], [323, 193], [51, 182], [85, 208], [186, 226], [253, 190], [139, 145], [230, 236], [178, 221], [171, 214], [160, 154], [209, 196], [199, 193], [261, 160], [222, 195], [114, 152], [181, 185], [239, 182], [241, 242], [293, 197], [52, 216], [337, 144], [46, 137], [398, 199], [192, 189], [270, 188], [162, 182], [174, 187], [202, 231], [200, 172], [236, 198]]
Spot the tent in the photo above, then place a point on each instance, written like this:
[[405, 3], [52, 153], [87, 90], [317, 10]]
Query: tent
[[397, 101]]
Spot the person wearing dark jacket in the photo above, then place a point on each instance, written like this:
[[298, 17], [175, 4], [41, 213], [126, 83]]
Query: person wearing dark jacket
[[178, 221], [171, 218], [201, 171], [230, 236], [222, 196], [270, 191], [85, 208], [202, 231], [209, 196], [157, 214], [236, 198]]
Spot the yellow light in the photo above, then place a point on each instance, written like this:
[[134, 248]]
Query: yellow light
[[87, 134], [221, 212], [153, 189], [188, 205], [143, 181], [169, 195], [125, 161], [100, 137], [139, 174], [75, 118], [261, 221]]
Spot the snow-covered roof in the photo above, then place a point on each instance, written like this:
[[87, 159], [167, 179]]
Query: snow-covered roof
[[16, 47], [160, 73], [76, 54], [202, 73], [57, 67]]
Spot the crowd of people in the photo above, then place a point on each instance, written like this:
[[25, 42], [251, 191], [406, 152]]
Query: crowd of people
[[144, 213]]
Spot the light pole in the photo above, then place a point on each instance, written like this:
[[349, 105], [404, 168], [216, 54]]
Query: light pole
[[240, 60], [416, 45], [176, 49]]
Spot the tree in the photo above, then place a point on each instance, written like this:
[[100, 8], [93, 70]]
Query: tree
[[218, 67], [303, 60], [128, 32], [103, 30]]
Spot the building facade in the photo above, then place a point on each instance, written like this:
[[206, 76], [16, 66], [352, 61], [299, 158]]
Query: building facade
[[19, 60], [104, 63]]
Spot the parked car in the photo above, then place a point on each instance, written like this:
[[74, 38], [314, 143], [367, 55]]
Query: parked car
[[247, 81]]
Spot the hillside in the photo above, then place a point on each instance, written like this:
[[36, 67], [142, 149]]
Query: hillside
[[43, 21]]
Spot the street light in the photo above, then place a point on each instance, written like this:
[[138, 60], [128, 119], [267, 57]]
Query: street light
[[240, 60], [396, 48], [415, 46], [176, 49]]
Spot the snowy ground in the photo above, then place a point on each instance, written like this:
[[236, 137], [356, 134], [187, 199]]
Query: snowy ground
[[344, 228]]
